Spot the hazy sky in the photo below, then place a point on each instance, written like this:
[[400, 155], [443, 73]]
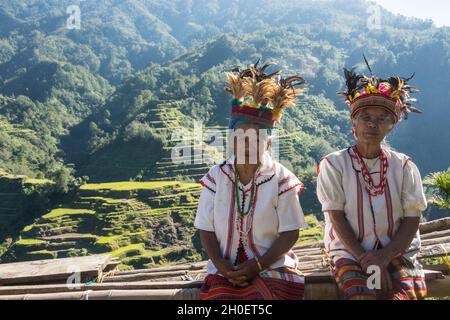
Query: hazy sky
[[437, 10]]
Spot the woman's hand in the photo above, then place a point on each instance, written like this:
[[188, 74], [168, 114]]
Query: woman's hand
[[244, 273], [386, 281], [225, 268], [248, 270], [223, 265], [211, 246], [380, 258]]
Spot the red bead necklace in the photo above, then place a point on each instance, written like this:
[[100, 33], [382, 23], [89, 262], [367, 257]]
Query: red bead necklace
[[372, 188]]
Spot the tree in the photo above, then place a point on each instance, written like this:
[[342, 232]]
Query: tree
[[63, 178], [438, 189]]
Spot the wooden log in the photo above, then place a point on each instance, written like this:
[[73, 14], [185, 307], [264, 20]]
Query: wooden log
[[436, 225], [52, 269], [180, 267], [164, 294], [305, 267], [313, 291], [315, 263], [437, 250], [308, 258], [308, 253], [434, 241], [322, 291], [311, 263], [314, 245], [321, 277], [315, 255], [111, 266], [318, 277], [198, 277], [433, 275], [144, 274], [322, 286], [445, 269], [439, 288], [179, 276], [436, 234], [202, 265], [142, 285], [153, 276]]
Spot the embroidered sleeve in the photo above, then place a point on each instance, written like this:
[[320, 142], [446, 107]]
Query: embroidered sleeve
[[289, 210], [413, 198], [330, 191], [204, 219], [209, 181], [289, 183]]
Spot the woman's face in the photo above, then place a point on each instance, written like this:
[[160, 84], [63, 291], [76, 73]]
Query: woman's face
[[372, 125], [250, 142]]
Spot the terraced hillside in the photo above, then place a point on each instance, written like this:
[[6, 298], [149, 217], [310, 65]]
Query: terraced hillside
[[143, 150], [142, 223], [19, 197]]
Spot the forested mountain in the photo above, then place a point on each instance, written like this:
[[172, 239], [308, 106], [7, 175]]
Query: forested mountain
[[75, 71], [102, 101]]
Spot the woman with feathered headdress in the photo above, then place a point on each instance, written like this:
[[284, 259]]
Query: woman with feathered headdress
[[249, 214], [372, 196]]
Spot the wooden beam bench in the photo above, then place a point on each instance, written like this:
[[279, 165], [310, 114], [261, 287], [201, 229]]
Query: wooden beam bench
[[318, 286]]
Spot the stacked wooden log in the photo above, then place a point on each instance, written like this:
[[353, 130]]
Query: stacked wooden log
[[30, 281]]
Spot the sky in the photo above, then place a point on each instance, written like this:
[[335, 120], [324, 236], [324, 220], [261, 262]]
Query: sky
[[436, 10]]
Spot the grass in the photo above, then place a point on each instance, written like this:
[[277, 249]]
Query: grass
[[55, 213], [189, 186], [129, 185], [28, 228], [312, 234], [312, 221], [162, 252], [38, 181], [106, 200], [42, 254], [27, 180], [108, 239], [147, 258], [164, 211], [132, 249], [109, 243], [30, 242]]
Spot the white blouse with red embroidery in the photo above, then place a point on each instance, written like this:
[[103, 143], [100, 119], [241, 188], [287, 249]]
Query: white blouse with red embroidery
[[276, 209], [374, 219]]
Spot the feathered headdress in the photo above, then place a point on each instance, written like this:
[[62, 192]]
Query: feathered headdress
[[260, 97], [392, 94]]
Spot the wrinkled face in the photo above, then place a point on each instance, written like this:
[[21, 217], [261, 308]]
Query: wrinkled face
[[372, 125], [250, 142]]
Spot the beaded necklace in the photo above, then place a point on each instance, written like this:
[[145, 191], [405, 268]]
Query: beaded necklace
[[242, 212], [238, 200], [372, 188]]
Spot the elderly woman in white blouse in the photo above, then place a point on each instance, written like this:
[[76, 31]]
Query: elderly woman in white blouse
[[249, 214], [372, 198]]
